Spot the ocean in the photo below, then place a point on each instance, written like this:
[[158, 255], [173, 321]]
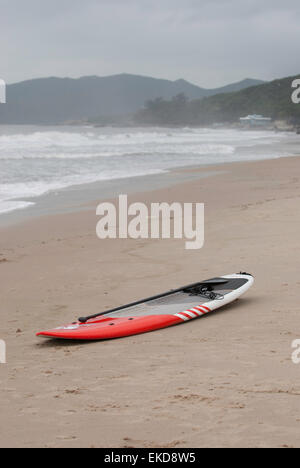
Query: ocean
[[38, 160]]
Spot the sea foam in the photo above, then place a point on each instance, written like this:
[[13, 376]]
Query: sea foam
[[38, 160]]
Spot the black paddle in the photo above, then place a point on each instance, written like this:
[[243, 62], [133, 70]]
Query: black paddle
[[189, 288]]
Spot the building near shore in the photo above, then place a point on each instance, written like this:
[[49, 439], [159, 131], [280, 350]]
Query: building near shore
[[255, 120]]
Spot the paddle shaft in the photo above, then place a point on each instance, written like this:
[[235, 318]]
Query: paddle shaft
[[169, 293]]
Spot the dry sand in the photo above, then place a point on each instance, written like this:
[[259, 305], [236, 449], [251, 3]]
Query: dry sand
[[225, 380]]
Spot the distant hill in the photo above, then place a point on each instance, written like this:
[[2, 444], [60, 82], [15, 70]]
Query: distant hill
[[234, 87], [269, 99], [57, 100]]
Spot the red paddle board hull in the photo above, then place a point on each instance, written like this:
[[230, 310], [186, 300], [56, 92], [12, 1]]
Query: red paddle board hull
[[109, 328], [156, 313]]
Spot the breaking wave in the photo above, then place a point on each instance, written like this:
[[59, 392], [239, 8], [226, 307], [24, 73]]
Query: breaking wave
[[37, 160]]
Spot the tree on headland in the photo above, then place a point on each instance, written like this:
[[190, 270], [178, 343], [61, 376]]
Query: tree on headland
[[160, 111], [269, 99]]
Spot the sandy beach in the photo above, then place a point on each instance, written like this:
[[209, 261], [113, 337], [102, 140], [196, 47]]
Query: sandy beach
[[226, 380]]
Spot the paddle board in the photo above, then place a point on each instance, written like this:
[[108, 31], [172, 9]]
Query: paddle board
[[172, 308]]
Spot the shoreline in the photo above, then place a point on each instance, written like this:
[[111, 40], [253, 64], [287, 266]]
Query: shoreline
[[232, 369], [78, 198], [66, 198]]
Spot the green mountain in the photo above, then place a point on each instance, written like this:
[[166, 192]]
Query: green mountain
[[271, 99], [234, 87], [57, 100]]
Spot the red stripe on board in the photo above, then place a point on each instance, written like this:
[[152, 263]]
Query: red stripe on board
[[203, 311], [193, 312], [206, 308], [185, 314]]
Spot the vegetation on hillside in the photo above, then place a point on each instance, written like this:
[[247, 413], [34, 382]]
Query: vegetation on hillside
[[270, 99]]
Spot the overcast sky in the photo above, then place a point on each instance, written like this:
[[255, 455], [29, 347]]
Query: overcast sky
[[208, 42]]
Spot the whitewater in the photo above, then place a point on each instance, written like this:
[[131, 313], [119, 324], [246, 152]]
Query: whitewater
[[38, 160]]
